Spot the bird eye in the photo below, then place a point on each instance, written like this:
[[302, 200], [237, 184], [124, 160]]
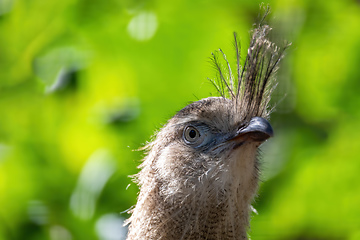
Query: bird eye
[[191, 135]]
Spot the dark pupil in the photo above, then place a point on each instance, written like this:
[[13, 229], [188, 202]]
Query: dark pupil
[[192, 133]]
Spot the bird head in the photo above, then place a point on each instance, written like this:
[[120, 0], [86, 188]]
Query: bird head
[[208, 139], [218, 137]]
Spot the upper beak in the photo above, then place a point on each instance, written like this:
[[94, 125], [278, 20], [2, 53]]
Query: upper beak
[[258, 130]]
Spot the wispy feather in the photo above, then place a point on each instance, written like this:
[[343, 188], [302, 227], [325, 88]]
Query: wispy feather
[[254, 81]]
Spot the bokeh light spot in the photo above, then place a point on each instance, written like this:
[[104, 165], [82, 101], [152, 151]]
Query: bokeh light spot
[[143, 26]]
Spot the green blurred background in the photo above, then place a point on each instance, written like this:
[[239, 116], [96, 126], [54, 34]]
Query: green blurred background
[[85, 82]]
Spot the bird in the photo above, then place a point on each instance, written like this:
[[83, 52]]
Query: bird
[[200, 173]]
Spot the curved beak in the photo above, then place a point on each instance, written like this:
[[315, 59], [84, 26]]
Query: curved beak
[[258, 130]]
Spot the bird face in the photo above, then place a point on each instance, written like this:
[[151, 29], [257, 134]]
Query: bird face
[[209, 139]]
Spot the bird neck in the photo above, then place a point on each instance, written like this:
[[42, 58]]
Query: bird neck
[[210, 211]]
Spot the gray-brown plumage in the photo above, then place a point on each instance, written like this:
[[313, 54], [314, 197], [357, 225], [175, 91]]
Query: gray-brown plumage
[[201, 170]]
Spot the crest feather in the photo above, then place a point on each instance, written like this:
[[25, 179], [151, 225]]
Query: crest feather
[[251, 86]]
